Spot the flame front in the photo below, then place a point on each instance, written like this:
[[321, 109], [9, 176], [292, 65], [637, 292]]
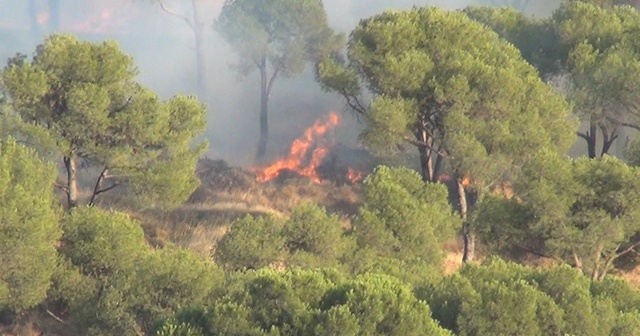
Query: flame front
[[306, 153], [354, 176]]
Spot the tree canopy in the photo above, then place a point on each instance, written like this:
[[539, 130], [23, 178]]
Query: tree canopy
[[84, 96], [590, 50], [452, 88], [581, 211]]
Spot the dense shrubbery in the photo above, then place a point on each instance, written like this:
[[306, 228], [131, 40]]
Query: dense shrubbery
[[28, 227], [310, 272], [299, 302], [399, 231], [495, 298], [112, 283]]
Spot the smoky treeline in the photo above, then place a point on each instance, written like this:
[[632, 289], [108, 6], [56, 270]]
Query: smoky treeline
[[177, 50]]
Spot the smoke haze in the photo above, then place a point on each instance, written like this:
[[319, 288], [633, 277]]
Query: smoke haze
[[163, 48]]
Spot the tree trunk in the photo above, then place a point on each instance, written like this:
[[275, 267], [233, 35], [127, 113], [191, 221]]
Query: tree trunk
[[70, 163], [198, 31], [469, 239], [608, 138], [54, 15], [577, 261], [426, 166], [591, 138], [429, 169], [264, 117]]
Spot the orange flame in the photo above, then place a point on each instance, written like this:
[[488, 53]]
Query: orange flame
[[466, 182], [298, 159], [354, 176]]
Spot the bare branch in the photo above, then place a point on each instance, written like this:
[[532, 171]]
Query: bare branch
[[628, 249], [622, 123], [438, 151], [96, 191], [108, 188], [55, 317], [355, 104], [170, 12], [63, 188], [538, 253], [576, 260], [582, 135], [626, 124]]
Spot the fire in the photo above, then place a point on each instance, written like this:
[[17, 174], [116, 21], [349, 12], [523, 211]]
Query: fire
[[466, 182], [444, 178], [354, 176], [306, 153]]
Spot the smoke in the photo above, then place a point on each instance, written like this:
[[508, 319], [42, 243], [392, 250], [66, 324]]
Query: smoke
[[163, 47]]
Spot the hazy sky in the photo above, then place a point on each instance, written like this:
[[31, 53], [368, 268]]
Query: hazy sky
[[163, 48]]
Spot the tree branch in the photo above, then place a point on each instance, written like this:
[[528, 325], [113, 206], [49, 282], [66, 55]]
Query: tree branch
[[354, 103], [582, 135], [628, 249], [108, 188], [626, 124], [96, 190], [55, 317], [537, 253], [170, 12], [63, 188], [576, 260], [272, 80], [438, 151]]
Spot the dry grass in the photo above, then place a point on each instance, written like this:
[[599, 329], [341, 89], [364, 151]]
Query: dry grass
[[632, 276], [225, 194], [224, 184]]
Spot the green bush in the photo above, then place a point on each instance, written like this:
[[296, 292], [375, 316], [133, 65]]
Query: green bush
[[313, 238], [375, 304], [501, 298], [122, 286], [402, 224], [252, 243], [29, 227]]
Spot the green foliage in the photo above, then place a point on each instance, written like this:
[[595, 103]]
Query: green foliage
[[172, 279], [84, 95], [582, 211], [171, 328], [303, 302], [268, 302], [284, 33], [452, 88], [29, 227], [402, 224], [310, 238], [380, 305], [536, 39], [112, 283], [252, 243], [501, 298], [102, 242]]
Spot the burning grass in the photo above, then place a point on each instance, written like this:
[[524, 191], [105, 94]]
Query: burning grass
[[222, 184]]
